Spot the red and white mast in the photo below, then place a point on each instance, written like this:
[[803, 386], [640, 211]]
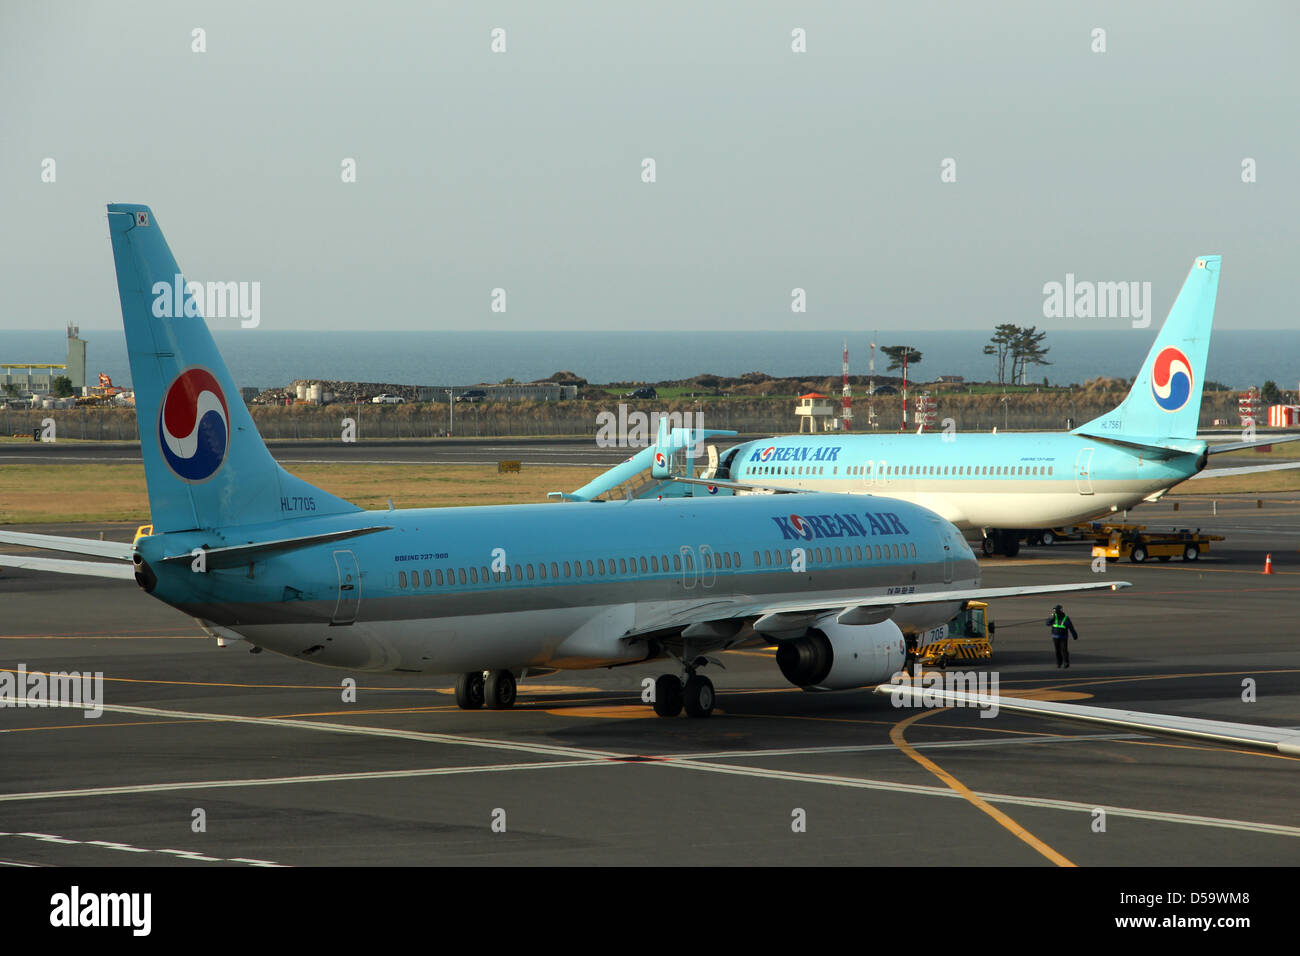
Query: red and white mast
[[846, 413]]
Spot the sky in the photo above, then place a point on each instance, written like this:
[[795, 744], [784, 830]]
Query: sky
[[774, 170]]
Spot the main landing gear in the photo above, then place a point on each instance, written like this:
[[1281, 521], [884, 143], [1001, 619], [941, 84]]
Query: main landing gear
[[1006, 543], [696, 696], [494, 689]]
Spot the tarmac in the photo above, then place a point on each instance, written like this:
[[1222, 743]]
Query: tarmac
[[282, 770]]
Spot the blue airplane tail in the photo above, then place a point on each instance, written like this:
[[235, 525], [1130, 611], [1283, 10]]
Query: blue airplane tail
[[1165, 400], [204, 461]]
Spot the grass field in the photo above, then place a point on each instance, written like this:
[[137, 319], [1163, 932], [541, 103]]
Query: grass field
[[34, 494]]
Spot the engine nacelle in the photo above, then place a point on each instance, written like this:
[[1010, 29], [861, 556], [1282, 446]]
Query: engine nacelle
[[835, 656]]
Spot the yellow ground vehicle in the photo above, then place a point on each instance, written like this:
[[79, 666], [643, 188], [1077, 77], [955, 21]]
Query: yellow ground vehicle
[[1136, 543], [968, 636], [142, 532]]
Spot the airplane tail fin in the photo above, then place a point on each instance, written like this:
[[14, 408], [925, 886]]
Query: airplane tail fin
[[1165, 400], [205, 463]]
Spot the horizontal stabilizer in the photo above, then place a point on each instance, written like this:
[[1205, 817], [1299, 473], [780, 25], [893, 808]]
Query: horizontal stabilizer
[[1248, 445], [98, 569], [1280, 739], [239, 554], [1244, 470], [52, 542]]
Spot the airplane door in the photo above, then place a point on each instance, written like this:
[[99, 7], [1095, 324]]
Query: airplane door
[[1083, 471], [708, 566], [688, 568], [345, 612]]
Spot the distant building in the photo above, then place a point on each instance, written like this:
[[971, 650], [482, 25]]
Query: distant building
[[951, 379], [816, 414]]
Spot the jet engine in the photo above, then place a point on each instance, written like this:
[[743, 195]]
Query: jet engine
[[834, 656]]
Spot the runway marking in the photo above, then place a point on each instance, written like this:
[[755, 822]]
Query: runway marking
[[104, 637], [546, 750], [105, 844], [1231, 750], [580, 757], [896, 735], [866, 748], [198, 683], [348, 777]]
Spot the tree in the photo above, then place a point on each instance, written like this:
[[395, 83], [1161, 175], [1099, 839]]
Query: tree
[[897, 354], [61, 386], [1004, 337], [1269, 394], [1027, 349]]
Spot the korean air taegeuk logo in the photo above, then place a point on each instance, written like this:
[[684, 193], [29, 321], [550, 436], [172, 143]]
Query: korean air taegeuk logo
[[194, 425], [1171, 379]]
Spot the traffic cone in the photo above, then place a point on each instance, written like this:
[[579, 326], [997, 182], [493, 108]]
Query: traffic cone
[[1268, 564]]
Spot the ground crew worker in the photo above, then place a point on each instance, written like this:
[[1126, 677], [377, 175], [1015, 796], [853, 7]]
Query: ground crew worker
[[1062, 629]]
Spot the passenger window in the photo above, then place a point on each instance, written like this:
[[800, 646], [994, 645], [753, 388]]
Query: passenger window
[[473, 575], [541, 570], [736, 556], [758, 560], [838, 555], [401, 579], [530, 571], [857, 551], [577, 569], [568, 570], [708, 559], [600, 566], [654, 563], [590, 569], [555, 570], [644, 567], [428, 579], [437, 575], [485, 575], [622, 565], [462, 575], [677, 562]]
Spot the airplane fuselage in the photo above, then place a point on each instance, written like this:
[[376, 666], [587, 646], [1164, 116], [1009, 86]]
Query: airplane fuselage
[[555, 585], [981, 480]]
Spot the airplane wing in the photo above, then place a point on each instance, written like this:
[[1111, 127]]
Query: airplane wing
[[778, 619], [1284, 740]]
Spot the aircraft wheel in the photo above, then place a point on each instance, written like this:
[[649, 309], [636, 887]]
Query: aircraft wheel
[[699, 696], [1138, 555], [500, 690], [1010, 545], [668, 695], [1048, 537], [469, 690], [988, 546], [1191, 553]]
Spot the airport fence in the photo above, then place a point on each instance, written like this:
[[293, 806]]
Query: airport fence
[[980, 413]]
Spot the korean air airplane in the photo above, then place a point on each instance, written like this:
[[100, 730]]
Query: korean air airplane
[[495, 593], [1007, 484]]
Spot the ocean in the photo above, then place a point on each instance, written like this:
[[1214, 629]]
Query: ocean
[[266, 358]]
